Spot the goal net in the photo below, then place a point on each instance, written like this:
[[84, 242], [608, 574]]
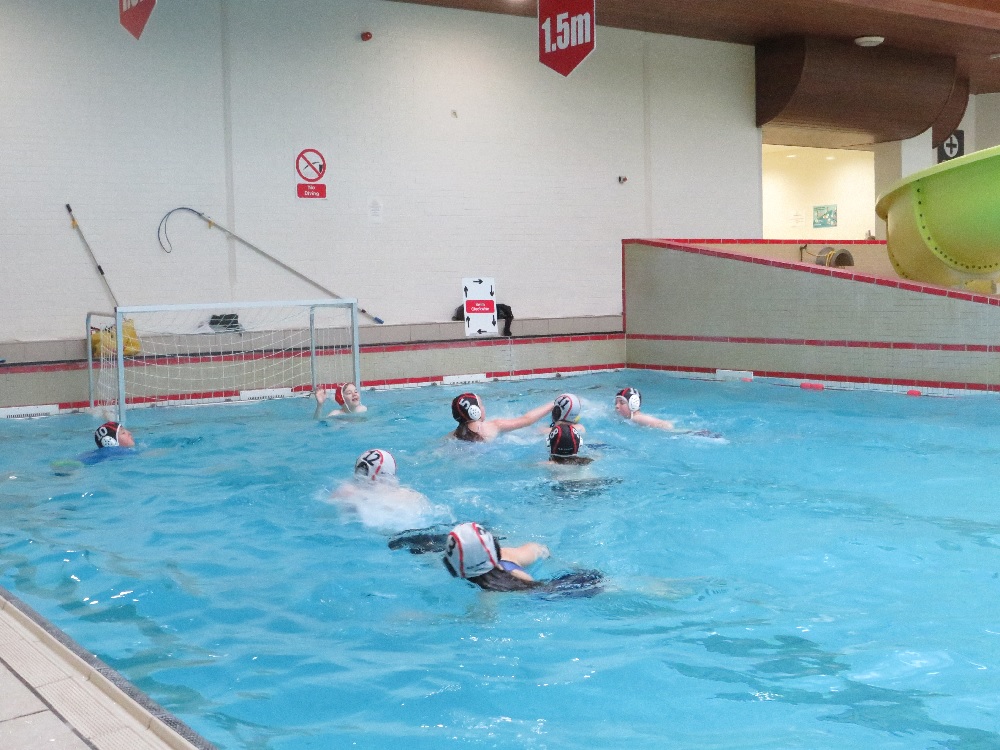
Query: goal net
[[239, 351]]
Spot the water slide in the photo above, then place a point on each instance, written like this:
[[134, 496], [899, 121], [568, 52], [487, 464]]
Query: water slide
[[943, 224]]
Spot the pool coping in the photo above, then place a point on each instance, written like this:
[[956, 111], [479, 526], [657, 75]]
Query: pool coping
[[31, 640]]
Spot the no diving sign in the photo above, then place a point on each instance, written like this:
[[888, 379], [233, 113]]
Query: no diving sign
[[310, 165], [480, 306]]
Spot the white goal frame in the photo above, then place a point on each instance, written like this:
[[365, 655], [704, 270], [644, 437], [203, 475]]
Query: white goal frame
[[120, 360]]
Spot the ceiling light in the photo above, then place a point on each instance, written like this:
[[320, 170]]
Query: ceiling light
[[869, 41], [994, 57]]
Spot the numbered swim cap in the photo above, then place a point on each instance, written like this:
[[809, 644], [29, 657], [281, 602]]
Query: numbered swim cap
[[467, 408], [631, 397], [564, 440], [471, 551], [106, 436], [375, 463], [566, 409]]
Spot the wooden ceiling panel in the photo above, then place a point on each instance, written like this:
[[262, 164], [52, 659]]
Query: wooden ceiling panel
[[967, 30]]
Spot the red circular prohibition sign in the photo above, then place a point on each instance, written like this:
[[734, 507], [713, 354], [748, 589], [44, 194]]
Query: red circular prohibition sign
[[310, 164]]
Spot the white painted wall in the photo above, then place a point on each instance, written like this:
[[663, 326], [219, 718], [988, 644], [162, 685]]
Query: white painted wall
[[482, 160], [798, 179], [987, 121]]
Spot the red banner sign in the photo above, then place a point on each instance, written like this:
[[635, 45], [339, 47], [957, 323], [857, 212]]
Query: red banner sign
[[480, 307], [567, 30], [133, 15]]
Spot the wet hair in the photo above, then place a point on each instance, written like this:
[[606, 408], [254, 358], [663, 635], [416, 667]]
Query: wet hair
[[106, 436], [462, 432], [499, 579], [571, 460], [466, 408]]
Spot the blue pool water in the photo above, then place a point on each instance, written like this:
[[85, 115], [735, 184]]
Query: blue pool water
[[828, 576]]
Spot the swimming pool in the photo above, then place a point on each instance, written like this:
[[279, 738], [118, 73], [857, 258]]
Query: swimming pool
[[825, 577]]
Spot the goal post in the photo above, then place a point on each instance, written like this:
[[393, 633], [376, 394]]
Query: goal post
[[157, 355]]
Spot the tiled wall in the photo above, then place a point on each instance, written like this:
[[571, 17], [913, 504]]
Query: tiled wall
[[693, 309], [869, 255], [390, 356]]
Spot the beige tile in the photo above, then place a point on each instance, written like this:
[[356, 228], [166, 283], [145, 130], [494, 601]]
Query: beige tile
[[38, 731], [17, 700], [31, 661], [92, 713]]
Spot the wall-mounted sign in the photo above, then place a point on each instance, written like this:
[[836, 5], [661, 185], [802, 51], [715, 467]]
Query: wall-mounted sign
[[567, 32], [133, 15], [953, 147], [824, 216], [480, 306], [310, 165]]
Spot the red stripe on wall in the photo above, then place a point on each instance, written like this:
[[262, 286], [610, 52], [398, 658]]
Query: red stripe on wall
[[812, 376], [320, 352], [819, 342]]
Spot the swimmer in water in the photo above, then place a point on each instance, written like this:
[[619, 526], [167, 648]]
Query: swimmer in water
[[566, 410], [627, 403], [376, 495], [469, 412], [564, 445], [347, 396], [113, 441], [113, 435], [473, 553]]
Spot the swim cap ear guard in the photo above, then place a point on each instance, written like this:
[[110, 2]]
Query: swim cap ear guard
[[375, 463], [106, 436], [564, 440], [470, 551], [466, 408], [632, 398], [566, 409]]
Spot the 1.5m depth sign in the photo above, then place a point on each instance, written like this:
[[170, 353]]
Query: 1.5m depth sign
[[566, 33]]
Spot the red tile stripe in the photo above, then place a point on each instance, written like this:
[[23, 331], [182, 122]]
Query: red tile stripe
[[840, 273], [471, 343], [29, 368], [744, 241], [986, 348], [812, 376]]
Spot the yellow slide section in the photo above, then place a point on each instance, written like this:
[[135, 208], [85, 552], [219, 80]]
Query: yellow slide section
[[943, 224]]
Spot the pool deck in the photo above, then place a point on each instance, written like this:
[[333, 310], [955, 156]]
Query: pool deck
[[53, 694]]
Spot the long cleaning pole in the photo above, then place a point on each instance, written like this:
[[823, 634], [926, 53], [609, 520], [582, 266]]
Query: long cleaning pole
[[90, 252], [212, 223]]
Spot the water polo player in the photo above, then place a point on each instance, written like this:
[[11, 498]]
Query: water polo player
[[473, 553], [467, 409], [377, 499], [348, 398], [564, 445], [628, 401], [113, 435], [566, 409]]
